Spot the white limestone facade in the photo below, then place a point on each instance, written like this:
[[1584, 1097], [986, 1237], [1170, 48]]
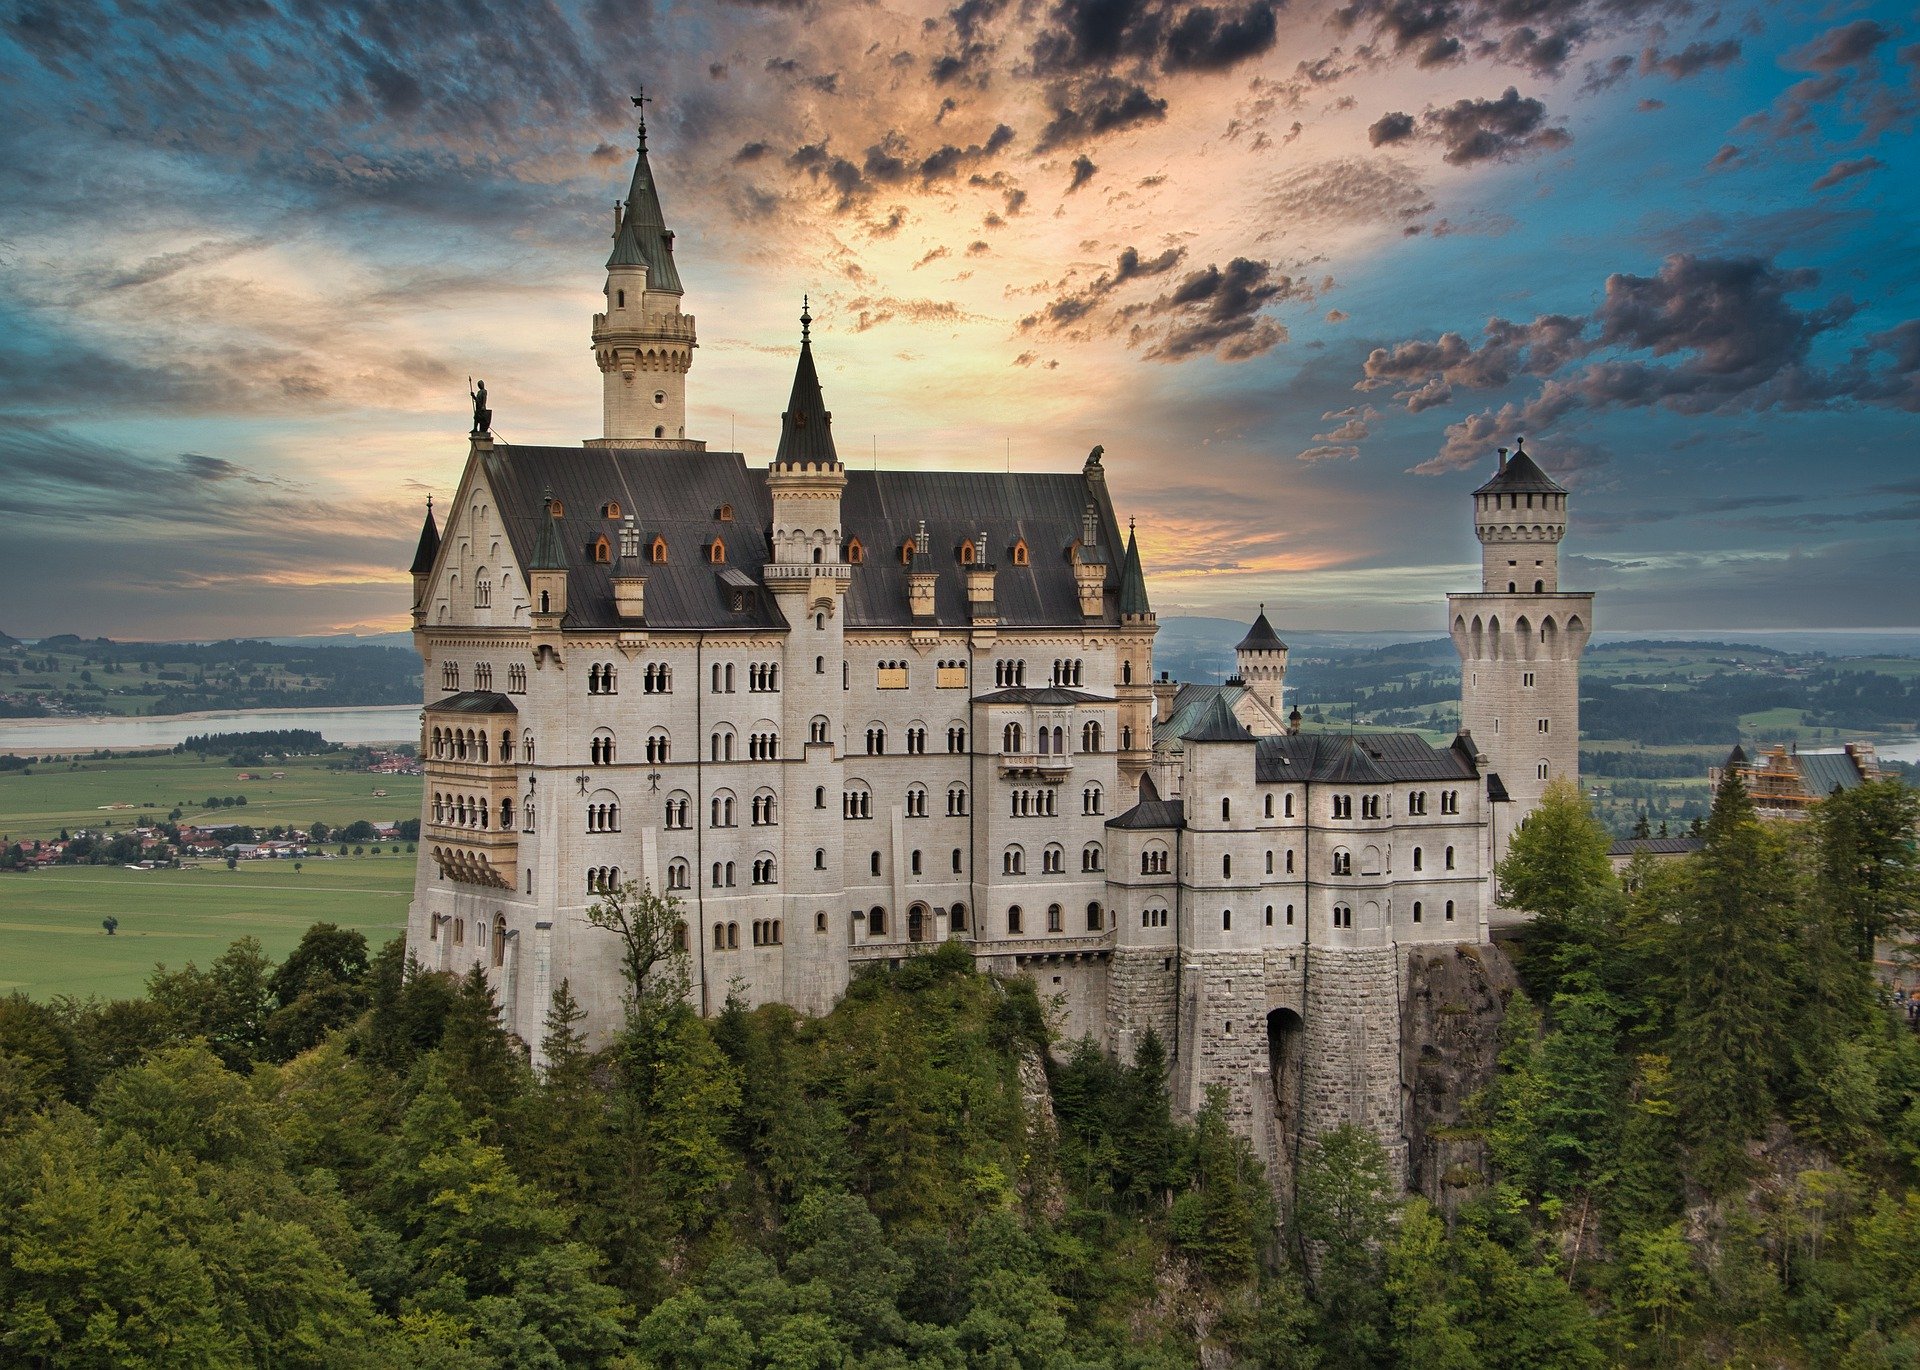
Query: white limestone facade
[[843, 716]]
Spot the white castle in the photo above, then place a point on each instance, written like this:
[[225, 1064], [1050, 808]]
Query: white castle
[[843, 716]]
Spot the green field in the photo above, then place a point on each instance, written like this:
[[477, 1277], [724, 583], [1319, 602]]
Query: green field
[[76, 794], [55, 944]]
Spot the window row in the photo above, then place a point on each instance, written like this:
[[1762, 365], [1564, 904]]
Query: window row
[[470, 811], [1053, 859], [857, 801], [470, 744], [1056, 919]]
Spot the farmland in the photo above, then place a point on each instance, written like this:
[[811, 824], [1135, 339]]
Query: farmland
[[39, 802], [51, 919]]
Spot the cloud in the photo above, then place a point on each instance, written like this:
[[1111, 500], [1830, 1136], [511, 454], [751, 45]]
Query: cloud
[[1076, 305], [1846, 171], [1346, 191], [1845, 45], [1083, 170], [1702, 335], [1492, 130], [1217, 310], [1691, 60], [1726, 156], [1099, 107], [1541, 36]]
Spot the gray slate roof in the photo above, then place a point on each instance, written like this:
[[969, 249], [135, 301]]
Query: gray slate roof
[[1189, 702], [806, 428], [643, 239], [429, 545], [1152, 811], [1218, 724], [1521, 476], [474, 702], [1261, 637], [678, 494], [1358, 759], [1045, 694], [1824, 772]]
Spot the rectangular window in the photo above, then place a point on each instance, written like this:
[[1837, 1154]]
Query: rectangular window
[[1526, 680], [951, 678]]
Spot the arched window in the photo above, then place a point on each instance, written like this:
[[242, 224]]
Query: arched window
[[1013, 861], [1091, 801], [1449, 858], [1012, 738], [1449, 910], [1013, 920], [957, 918], [1020, 552], [1054, 920], [1096, 918], [1416, 910], [1053, 859], [956, 801], [819, 858], [1418, 857], [1090, 736], [1090, 857], [717, 551], [856, 553], [657, 553], [1226, 920], [876, 921], [601, 748], [1342, 916], [966, 554], [602, 551], [820, 922], [659, 746], [1342, 861], [677, 875]]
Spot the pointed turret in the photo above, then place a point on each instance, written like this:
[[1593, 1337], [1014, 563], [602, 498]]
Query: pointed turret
[[1133, 582], [643, 238], [643, 343], [424, 554], [1261, 662], [429, 545], [547, 579], [806, 428]]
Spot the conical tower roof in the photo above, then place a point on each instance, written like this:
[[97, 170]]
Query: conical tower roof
[[1133, 582], [643, 239], [1261, 637], [1520, 474], [547, 555], [429, 545], [806, 428]]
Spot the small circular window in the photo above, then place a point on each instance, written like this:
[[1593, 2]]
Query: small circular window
[[660, 398]]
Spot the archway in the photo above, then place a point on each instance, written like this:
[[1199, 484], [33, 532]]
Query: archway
[[1286, 1036], [917, 923]]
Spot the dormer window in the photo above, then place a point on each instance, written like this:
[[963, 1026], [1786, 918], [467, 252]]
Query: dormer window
[[1020, 552], [556, 508], [966, 554], [717, 553], [724, 514], [610, 510], [602, 551], [658, 554], [906, 552], [856, 554]]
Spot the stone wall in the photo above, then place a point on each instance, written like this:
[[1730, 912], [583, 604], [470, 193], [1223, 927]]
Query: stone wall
[[1140, 995], [1455, 1002], [1351, 1046]]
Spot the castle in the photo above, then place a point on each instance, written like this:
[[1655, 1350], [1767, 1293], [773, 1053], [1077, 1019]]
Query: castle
[[843, 716]]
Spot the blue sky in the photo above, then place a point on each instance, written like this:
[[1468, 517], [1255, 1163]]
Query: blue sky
[[1299, 268]]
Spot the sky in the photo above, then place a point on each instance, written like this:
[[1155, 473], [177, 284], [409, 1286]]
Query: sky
[[1300, 268]]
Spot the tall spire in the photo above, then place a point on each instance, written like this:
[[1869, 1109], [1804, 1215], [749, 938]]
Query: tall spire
[[644, 239], [429, 545], [806, 429], [1133, 581]]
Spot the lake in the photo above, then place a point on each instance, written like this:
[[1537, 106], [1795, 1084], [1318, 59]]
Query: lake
[[354, 727]]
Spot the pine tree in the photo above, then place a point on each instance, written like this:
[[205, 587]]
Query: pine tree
[[1731, 946]]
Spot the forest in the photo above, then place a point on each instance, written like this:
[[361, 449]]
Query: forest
[[1700, 1150]]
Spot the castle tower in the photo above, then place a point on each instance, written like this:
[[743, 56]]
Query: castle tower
[[1261, 662], [1138, 625], [809, 577], [1520, 640], [425, 553], [643, 343]]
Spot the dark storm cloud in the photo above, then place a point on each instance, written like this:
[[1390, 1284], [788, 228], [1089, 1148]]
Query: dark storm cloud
[[1083, 171], [1389, 129], [1094, 108], [1717, 334], [1691, 60]]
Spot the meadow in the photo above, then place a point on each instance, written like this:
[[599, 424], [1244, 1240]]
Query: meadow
[[51, 919], [78, 794]]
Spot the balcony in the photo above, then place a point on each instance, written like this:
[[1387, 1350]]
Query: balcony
[[473, 857], [1048, 766]]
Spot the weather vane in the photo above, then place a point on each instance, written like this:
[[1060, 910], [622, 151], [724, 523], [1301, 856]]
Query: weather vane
[[640, 102]]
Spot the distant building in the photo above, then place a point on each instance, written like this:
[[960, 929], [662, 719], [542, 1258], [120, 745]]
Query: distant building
[[1787, 782], [1621, 854]]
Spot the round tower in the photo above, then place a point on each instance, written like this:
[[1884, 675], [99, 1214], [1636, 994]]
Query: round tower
[[1520, 640], [642, 343], [1261, 663]]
